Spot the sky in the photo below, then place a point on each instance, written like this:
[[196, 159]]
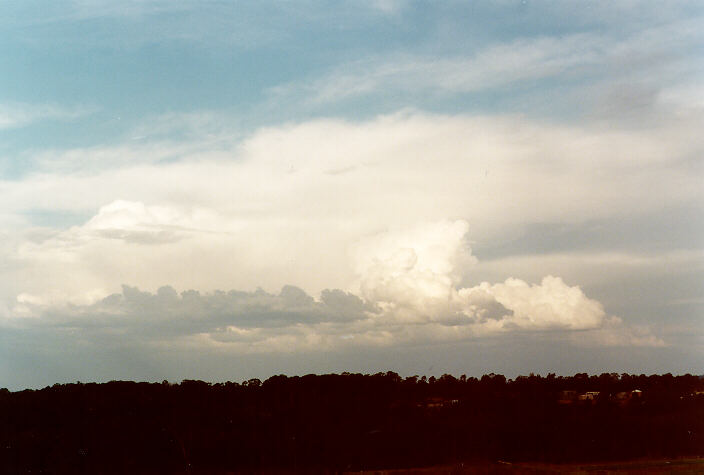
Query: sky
[[224, 190]]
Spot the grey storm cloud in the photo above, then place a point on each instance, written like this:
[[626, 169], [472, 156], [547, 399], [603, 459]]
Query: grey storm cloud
[[168, 312]]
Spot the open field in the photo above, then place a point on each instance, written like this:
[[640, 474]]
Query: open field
[[680, 466]]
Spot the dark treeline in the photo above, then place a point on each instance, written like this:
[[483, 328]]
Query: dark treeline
[[348, 421]]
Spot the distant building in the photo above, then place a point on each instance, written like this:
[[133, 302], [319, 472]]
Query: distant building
[[440, 402], [567, 397], [622, 398], [589, 396]]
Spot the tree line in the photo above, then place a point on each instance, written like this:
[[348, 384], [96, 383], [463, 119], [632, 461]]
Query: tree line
[[338, 422]]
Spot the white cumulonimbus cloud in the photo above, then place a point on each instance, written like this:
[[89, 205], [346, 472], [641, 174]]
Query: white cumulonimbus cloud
[[413, 277], [362, 207], [288, 204], [407, 292]]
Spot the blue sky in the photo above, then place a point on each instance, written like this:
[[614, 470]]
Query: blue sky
[[456, 186]]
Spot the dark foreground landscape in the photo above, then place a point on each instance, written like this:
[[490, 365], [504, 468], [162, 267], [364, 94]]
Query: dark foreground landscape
[[354, 422]]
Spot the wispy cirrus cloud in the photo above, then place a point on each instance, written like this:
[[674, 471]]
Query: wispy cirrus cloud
[[16, 114], [655, 55], [493, 67]]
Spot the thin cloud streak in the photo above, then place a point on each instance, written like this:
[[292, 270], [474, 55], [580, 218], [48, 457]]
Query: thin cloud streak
[[15, 115], [646, 52]]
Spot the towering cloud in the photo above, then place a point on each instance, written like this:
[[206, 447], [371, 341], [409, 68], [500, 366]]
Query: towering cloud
[[414, 276]]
